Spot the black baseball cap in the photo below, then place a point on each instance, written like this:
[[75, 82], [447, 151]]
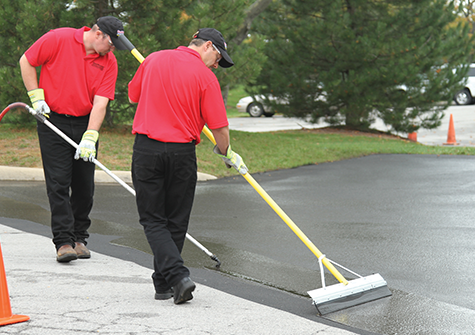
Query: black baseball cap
[[112, 26], [210, 34]]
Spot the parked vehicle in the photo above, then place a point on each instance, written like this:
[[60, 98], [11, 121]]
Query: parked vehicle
[[255, 106], [466, 95]]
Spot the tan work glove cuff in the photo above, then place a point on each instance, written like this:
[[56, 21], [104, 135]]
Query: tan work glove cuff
[[36, 95]]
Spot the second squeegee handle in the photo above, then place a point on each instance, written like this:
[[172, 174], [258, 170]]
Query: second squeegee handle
[[287, 220], [133, 50]]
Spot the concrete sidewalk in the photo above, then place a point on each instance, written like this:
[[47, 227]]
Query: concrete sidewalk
[[107, 295]]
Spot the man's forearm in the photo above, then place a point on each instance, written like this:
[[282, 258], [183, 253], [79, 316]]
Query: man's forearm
[[28, 74], [221, 135], [98, 113]]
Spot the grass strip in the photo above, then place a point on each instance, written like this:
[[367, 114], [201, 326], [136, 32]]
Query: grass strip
[[261, 151]]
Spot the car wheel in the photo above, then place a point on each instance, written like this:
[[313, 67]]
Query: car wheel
[[463, 97], [255, 109]]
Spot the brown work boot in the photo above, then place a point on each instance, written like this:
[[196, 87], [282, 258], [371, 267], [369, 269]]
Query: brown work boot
[[66, 253], [82, 251]]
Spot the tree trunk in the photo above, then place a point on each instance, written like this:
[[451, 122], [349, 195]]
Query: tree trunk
[[224, 93], [251, 13]]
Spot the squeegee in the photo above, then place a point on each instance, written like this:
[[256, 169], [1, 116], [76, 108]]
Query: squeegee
[[336, 297], [327, 299]]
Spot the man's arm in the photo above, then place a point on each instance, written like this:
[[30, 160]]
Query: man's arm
[[87, 147], [30, 80], [98, 112], [28, 74], [221, 135]]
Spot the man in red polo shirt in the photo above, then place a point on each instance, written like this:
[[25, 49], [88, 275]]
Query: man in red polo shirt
[[177, 94], [77, 80]]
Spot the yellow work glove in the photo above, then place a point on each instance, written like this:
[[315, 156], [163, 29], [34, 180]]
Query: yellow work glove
[[87, 147], [232, 159], [37, 98]]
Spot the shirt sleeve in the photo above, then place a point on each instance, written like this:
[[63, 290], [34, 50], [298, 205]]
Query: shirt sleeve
[[135, 85], [42, 51], [213, 110], [107, 88]]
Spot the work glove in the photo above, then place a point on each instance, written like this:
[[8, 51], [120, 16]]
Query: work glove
[[232, 159], [87, 147], [37, 98]]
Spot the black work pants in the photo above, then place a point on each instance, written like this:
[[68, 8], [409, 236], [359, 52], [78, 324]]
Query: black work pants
[[69, 182], [164, 177]]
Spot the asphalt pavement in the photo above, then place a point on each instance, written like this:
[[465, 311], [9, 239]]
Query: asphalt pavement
[[112, 291]]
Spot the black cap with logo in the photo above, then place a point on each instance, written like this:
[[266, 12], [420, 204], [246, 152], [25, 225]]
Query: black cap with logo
[[210, 34], [112, 26]]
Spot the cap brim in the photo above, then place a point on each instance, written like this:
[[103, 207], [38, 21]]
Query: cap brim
[[118, 43], [226, 61]]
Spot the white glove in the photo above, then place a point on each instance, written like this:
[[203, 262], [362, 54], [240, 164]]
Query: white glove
[[232, 159], [87, 147], [37, 98]]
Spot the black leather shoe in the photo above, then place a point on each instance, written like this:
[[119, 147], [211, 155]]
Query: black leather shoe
[[182, 290], [164, 295]]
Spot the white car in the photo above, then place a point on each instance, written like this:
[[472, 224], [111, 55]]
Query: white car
[[466, 95], [255, 107]]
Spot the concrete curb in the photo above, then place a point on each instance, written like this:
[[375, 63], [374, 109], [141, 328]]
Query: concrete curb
[[36, 174]]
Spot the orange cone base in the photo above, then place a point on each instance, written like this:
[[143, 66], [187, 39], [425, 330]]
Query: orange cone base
[[412, 137], [13, 319]]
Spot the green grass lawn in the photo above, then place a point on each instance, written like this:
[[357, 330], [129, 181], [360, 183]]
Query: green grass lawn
[[260, 151]]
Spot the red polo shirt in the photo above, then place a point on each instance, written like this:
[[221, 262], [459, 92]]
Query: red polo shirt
[[69, 77], [177, 95]]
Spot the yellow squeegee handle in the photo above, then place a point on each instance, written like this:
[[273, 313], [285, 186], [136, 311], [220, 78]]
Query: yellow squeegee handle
[[137, 55], [130, 47], [286, 219]]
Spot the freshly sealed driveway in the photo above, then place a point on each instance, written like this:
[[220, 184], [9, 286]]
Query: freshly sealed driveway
[[408, 217]]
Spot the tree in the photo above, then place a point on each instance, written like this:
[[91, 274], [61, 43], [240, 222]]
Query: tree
[[466, 8], [246, 52], [350, 60], [14, 33]]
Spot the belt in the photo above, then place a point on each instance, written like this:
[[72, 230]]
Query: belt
[[66, 115], [143, 135]]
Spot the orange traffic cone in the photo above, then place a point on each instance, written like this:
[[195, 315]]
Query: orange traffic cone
[[412, 137], [6, 316], [451, 134]]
